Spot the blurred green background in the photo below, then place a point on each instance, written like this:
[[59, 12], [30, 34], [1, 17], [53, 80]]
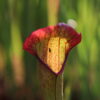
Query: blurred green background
[[18, 18]]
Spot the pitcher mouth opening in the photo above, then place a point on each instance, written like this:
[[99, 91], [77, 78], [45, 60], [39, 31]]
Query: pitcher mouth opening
[[40, 43]]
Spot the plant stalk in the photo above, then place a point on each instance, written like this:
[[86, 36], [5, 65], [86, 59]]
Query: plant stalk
[[51, 85]]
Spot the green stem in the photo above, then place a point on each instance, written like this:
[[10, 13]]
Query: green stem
[[51, 85]]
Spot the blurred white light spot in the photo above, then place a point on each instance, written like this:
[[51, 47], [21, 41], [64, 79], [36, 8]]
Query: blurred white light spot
[[72, 23]]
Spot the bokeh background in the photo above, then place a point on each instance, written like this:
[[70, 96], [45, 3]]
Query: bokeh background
[[18, 18]]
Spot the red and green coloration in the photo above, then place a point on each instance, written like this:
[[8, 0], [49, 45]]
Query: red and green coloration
[[52, 45]]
